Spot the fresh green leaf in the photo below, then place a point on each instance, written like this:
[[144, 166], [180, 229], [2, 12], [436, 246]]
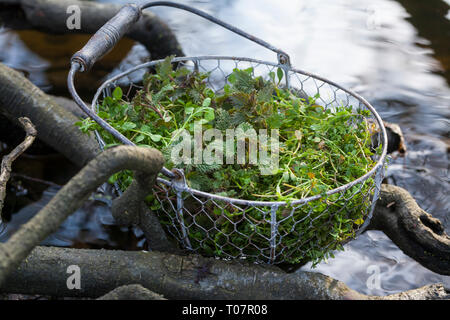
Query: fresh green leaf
[[280, 74], [117, 93]]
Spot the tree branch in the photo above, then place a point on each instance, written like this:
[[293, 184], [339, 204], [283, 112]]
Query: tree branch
[[51, 16], [7, 160], [71, 197], [55, 125], [131, 209], [131, 292], [176, 277]]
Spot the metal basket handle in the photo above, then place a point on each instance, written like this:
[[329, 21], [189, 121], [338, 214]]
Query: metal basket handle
[[107, 36]]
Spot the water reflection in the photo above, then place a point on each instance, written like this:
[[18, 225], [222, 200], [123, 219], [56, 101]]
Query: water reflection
[[367, 46], [432, 22], [374, 265], [91, 226]]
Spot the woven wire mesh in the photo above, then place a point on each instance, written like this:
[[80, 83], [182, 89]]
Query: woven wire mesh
[[269, 232]]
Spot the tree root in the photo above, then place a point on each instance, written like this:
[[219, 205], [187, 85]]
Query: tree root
[[413, 230], [10, 158], [71, 197], [177, 277], [51, 16]]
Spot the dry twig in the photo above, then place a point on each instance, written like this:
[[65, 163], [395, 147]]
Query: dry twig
[[10, 158]]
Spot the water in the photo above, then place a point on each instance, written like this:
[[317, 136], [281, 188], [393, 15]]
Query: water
[[91, 226], [394, 53]]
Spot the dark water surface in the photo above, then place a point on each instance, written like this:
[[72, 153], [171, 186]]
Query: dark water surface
[[396, 54]]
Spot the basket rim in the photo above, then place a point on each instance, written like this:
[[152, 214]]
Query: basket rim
[[378, 166]]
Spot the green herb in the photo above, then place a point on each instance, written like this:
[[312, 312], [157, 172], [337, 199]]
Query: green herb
[[320, 149]]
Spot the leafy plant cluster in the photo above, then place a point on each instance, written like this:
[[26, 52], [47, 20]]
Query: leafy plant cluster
[[320, 149]]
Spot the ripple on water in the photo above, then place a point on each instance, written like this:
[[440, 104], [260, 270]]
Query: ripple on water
[[374, 253], [91, 226]]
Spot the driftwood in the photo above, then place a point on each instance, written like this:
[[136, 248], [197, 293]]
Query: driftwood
[[413, 230], [71, 197], [51, 16], [179, 277], [44, 271], [130, 209], [7, 160], [131, 292], [55, 125]]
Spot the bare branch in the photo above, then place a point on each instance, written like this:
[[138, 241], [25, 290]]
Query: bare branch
[[130, 209], [11, 157], [71, 197], [413, 230], [176, 277]]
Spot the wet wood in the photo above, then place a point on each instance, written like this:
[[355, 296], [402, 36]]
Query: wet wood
[[55, 125], [174, 277], [7, 161], [71, 197], [417, 233]]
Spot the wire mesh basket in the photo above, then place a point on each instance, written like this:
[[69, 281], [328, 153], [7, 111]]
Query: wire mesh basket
[[262, 231]]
